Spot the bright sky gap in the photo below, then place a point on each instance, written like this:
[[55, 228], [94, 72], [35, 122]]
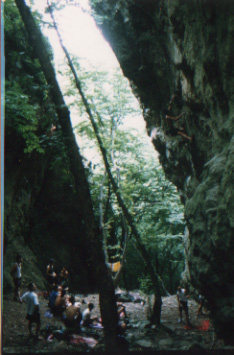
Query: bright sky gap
[[83, 39]]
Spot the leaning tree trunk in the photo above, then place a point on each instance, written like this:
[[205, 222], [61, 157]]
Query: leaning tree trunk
[[92, 241], [103, 217], [155, 278], [124, 252]]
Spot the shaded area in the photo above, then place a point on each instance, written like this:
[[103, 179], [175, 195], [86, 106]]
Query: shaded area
[[139, 334], [177, 55]]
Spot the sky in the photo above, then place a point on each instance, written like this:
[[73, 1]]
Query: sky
[[80, 35], [83, 39]]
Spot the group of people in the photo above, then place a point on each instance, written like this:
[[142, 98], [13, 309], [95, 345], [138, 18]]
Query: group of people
[[54, 278], [60, 303], [64, 306]]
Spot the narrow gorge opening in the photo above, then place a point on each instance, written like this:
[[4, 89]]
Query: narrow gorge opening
[[98, 180]]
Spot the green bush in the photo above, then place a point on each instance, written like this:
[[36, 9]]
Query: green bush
[[146, 285]]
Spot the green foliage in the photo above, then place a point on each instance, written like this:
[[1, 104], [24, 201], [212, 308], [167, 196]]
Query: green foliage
[[40, 202], [22, 117], [145, 284], [28, 112], [32, 152], [151, 199]]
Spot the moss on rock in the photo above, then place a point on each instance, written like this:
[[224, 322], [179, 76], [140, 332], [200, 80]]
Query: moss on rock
[[183, 48]]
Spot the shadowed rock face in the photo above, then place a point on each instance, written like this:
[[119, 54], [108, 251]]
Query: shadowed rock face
[[177, 57]]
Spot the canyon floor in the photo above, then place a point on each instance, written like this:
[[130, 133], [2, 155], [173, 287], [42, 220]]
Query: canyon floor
[[172, 336]]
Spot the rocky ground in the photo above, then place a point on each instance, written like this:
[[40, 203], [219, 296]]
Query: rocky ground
[[139, 335]]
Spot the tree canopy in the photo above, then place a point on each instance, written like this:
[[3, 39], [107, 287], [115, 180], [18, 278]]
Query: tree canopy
[[150, 197]]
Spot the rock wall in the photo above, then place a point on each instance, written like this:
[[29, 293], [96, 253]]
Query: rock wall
[[42, 217], [42, 210], [177, 57]]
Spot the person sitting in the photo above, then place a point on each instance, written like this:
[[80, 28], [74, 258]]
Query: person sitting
[[60, 302], [33, 312], [123, 318], [182, 299], [16, 275], [52, 297], [121, 310], [72, 316], [51, 275], [86, 316]]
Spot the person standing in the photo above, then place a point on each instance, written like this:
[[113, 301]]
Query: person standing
[[17, 275], [51, 275], [33, 311], [201, 300], [63, 278], [182, 299]]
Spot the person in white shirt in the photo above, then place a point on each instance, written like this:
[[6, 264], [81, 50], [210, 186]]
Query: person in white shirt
[[86, 316], [33, 312], [182, 299], [16, 275]]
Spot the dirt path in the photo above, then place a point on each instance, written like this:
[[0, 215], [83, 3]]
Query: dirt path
[[139, 335]]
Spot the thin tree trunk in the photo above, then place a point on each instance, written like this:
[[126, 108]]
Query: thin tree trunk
[[92, 241], [125, 233], [101, 219], [155, 279], [117, 276]]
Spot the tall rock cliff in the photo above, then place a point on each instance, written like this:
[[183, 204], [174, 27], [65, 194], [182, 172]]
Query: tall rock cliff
[[42, 210], [177, 57]]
